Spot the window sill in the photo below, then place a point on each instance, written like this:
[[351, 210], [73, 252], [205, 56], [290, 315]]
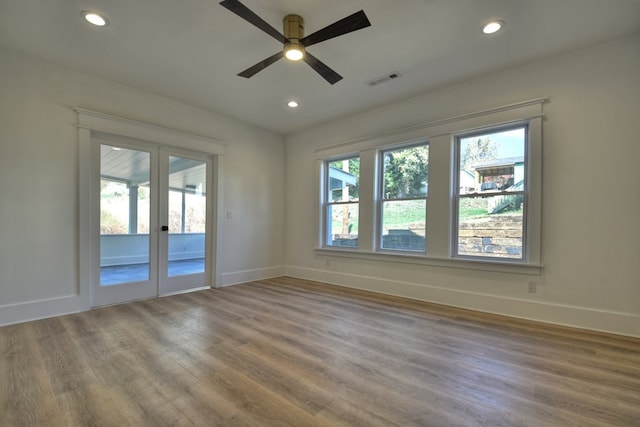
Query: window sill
[[512, 267]]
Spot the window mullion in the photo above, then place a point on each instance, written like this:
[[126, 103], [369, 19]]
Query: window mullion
[[439, 207], [367, 199]]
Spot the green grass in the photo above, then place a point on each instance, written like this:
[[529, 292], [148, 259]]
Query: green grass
[[401, 213], [398, 215], [472, 213]]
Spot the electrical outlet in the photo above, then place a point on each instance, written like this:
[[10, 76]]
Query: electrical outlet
[[229, 214], [533, 287]]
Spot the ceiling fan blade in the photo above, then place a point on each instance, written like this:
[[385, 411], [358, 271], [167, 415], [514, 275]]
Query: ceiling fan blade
[[346, 25], [327, 73], [245, 13], [261, 65]]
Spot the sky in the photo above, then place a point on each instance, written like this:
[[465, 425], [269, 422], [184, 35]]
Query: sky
[[510, 142]]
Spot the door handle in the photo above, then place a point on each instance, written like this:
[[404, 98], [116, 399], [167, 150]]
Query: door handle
[[164, 228]]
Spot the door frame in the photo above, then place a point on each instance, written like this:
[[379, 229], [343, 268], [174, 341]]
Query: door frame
[[91, 124]]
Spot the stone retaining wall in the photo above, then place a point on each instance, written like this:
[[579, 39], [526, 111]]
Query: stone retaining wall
[[499, 236]]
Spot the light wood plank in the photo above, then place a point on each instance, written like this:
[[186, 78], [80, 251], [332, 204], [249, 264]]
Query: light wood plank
[[26, 394], [286, 351]]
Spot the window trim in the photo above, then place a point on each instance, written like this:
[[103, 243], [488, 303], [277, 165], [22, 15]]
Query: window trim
[[325, 200], [455, 188], [440, 136], [380, 199], [433, 261]]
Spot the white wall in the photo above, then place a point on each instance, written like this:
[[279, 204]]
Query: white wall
[[39, 182], [591, 201]]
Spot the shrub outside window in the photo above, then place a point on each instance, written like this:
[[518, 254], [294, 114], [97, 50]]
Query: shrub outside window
[[403, 198], [490, 195], [342, 202]]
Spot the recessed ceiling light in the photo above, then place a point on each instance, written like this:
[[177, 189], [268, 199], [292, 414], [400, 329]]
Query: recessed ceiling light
[[293, 104], [492, 27], [95, 18]]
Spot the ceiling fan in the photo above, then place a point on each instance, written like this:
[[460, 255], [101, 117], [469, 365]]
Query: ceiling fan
[[294, 40]]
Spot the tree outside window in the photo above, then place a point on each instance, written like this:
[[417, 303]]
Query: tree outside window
[[403, 202]]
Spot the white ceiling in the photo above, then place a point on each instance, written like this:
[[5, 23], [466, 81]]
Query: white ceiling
[[191, 50]]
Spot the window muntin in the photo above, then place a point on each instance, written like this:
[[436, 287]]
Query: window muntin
[[342, 196], [403, 198], [490, 195]]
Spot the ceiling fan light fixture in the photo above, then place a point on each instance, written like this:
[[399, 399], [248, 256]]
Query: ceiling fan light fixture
[[293, 27], [294, 51]]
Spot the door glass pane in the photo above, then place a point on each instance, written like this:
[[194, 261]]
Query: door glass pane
[[187, 216], [124, 215]]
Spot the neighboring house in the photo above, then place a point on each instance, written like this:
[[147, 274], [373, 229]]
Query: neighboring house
[[467, 182], [339, 179], [502, 172]]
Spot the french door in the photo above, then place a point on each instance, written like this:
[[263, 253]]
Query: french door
[[153, 226]]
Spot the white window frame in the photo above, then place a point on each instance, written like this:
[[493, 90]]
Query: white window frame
[[457, 196], [441, 136], [380, 200], [326, 202]]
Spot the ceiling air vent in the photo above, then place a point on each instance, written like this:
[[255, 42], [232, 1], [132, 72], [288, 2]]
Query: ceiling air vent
[[385, 78]]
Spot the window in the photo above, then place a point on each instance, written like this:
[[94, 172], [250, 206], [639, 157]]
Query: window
[[491, 194], [403, 198], [470, 197], [342, 202]]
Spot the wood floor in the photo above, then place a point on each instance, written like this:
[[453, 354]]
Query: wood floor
[[292, 352]]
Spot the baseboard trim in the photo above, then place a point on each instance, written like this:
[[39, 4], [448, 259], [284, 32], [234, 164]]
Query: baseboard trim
[[237, 277], [557, 314], [40, 309]]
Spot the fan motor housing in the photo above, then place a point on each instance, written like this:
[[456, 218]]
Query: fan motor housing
[[293, 27]]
